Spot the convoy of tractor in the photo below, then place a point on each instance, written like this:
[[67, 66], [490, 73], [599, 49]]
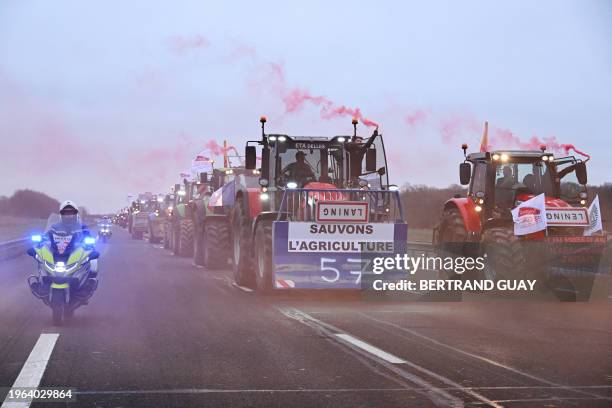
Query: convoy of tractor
[[310, 212]]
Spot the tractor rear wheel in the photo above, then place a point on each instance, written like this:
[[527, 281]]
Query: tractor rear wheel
[[185, 241], [263, 255], [506, 258], [242, 241], [216, 239]]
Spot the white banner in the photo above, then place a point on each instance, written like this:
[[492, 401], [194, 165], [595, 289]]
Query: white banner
[[594, 218], [311, 237], [530, 216]]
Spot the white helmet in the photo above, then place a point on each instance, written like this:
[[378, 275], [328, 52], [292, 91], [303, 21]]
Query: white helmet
[[68, 203]]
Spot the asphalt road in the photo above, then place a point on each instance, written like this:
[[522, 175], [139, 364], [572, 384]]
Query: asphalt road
[[161, 332]]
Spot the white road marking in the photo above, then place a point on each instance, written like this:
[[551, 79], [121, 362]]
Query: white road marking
[[242, 288], [371, 349], [481, 358], [436, 394], [32, 371]]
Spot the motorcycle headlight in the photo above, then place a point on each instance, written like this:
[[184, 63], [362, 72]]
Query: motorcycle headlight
[[89, 240]]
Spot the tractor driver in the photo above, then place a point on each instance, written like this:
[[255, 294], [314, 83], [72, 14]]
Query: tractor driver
[[299, 171], [507, 181]]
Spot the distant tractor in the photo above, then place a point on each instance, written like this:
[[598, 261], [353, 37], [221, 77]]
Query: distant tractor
[[481, 223], [141, 209], [156, 221], [316, 212]]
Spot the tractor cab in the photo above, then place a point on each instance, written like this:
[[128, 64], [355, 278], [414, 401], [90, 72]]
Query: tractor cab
[[500, 180], [313, 162]]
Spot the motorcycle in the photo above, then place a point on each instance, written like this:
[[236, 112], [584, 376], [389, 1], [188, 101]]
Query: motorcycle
[[67, 272], [104, 232]]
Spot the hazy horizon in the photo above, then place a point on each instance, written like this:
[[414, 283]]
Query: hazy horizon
[[102, 100]]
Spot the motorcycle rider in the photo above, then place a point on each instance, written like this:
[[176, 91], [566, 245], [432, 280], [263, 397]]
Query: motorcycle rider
[[69, 225], [70, 222]]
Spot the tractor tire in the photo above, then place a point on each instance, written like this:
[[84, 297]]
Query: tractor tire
[[174, 240], [263, 257], [506, 256], [453, 234], [242, 241], [58, 303], [198, 246], [185, 244], [216, 238]]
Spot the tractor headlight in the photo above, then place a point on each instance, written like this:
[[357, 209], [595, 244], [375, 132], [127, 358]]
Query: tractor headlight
[[272, 138], [264, 196], [263, 182], [495, 156], [478, 208], [583, 195], [504, 157], [544, 158], [292, 184], [583, 202], [341, 139], [282, 138], [393, 187]]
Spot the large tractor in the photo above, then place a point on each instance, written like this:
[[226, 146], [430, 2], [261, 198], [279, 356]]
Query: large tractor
[[315, 213], [482, 223], [212, 209]]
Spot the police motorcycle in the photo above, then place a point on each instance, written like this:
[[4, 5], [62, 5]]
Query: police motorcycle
[[104, 230], [67, 271]]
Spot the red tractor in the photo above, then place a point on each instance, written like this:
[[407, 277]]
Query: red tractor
[[481, 223]]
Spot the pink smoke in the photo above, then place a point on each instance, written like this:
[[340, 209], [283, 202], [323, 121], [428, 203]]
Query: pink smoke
[[296, 98], [416, 117], [180, 45]]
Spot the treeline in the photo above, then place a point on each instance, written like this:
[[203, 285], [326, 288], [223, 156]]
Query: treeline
[[423, 204], [28, 203]]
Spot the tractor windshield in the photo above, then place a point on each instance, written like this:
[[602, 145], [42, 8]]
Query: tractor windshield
[[318, 163], [533, 177]]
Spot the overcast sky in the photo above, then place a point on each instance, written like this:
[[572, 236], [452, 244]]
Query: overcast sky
[[102, 99]]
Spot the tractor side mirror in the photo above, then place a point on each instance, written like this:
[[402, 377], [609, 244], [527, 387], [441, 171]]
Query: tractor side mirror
[[465, 173], [382, 171], [581, 172], [250, 157], [370, 160], [203, 177]]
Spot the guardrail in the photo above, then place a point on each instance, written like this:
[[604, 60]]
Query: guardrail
[[13, 249]]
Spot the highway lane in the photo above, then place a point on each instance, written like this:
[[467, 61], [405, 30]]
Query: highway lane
[[161, 332]]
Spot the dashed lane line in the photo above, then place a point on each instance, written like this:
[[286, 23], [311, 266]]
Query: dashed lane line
[[32, 371]]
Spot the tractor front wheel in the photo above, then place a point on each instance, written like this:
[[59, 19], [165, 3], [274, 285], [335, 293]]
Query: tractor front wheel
[[506, 258], [242, 241], [263, 253]]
